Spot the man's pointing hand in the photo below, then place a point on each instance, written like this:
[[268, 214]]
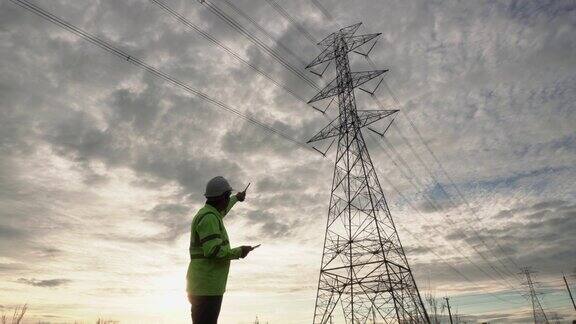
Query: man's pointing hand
[[245, 250], [242, 194]]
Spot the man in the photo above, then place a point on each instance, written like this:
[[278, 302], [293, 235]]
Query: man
[[210, 252]]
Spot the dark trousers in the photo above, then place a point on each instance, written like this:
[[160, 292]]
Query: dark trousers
[[205, 309]]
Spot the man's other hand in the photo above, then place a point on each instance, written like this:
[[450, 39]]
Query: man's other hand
[[245, 250]]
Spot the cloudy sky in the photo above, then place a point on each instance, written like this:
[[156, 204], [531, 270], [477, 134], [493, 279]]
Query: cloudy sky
[[103, 165]]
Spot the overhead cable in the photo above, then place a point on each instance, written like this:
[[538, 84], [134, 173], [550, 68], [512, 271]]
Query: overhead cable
[[460, 273], [255, 40], [148, 68], [474, 230], [510, 272], [433, 204], [438, 208], [323, 9], [227, 49], [441, 187], [295, 23], [264, 31], [488, 275], [443, 169]]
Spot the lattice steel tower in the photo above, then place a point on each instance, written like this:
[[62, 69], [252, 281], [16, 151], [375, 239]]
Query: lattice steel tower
[[537, 310], [364, 267]]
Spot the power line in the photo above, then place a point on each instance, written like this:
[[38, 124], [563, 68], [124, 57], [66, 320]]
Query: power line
[[397, 102], [440, 234], [438, 209], [460, 273], [433, 204], [227, 49], [264, 31], [323, 9], [430, 200], [440, 186], [296, 24], [456, 187], [482, 302], [443, 169], [155, 72], [255, 40], [418, 239], [466, 295]]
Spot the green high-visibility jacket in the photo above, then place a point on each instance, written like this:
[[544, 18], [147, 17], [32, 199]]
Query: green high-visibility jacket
[[210, 252]]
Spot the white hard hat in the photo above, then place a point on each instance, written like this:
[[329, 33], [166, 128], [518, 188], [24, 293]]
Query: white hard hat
[[216, 187]]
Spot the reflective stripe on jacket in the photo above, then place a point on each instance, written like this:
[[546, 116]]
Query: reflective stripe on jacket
[[210, 252]]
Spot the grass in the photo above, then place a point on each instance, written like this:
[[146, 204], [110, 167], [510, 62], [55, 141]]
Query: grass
[[20, 311], [17, 317], [103, 321]]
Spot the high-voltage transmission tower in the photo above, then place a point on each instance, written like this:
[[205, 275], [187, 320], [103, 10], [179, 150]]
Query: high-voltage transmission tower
[[364, 267], [537, 310]]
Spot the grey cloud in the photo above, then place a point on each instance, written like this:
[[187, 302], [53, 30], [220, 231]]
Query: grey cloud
[[173, 221], [174, 218], [77, 136], [536, 210], [293, 200], [191, 174], [294, 179], [549, 204], [115, 291], [417, 250], [27, 214], [568, 208], [44, 283], [530, 10], [454, 236], [10, 233], [269, 225], [248, 140], [269, 183], [11, 267], [427, 207], [537, 215], [546, 237], [504, 214], [50, 251], [139, 111], [78, 139]]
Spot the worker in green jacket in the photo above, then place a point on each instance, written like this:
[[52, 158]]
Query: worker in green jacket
[[210, 252]]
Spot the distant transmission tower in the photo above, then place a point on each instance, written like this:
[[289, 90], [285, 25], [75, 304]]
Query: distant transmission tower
[[537, 310], [364, 267]]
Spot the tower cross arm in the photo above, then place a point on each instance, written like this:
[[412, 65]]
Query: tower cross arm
[[326, 55], [369, 117], [365, 118], [356, 41], [346, 31], [329, 131], [352, 43], [358, 79]]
